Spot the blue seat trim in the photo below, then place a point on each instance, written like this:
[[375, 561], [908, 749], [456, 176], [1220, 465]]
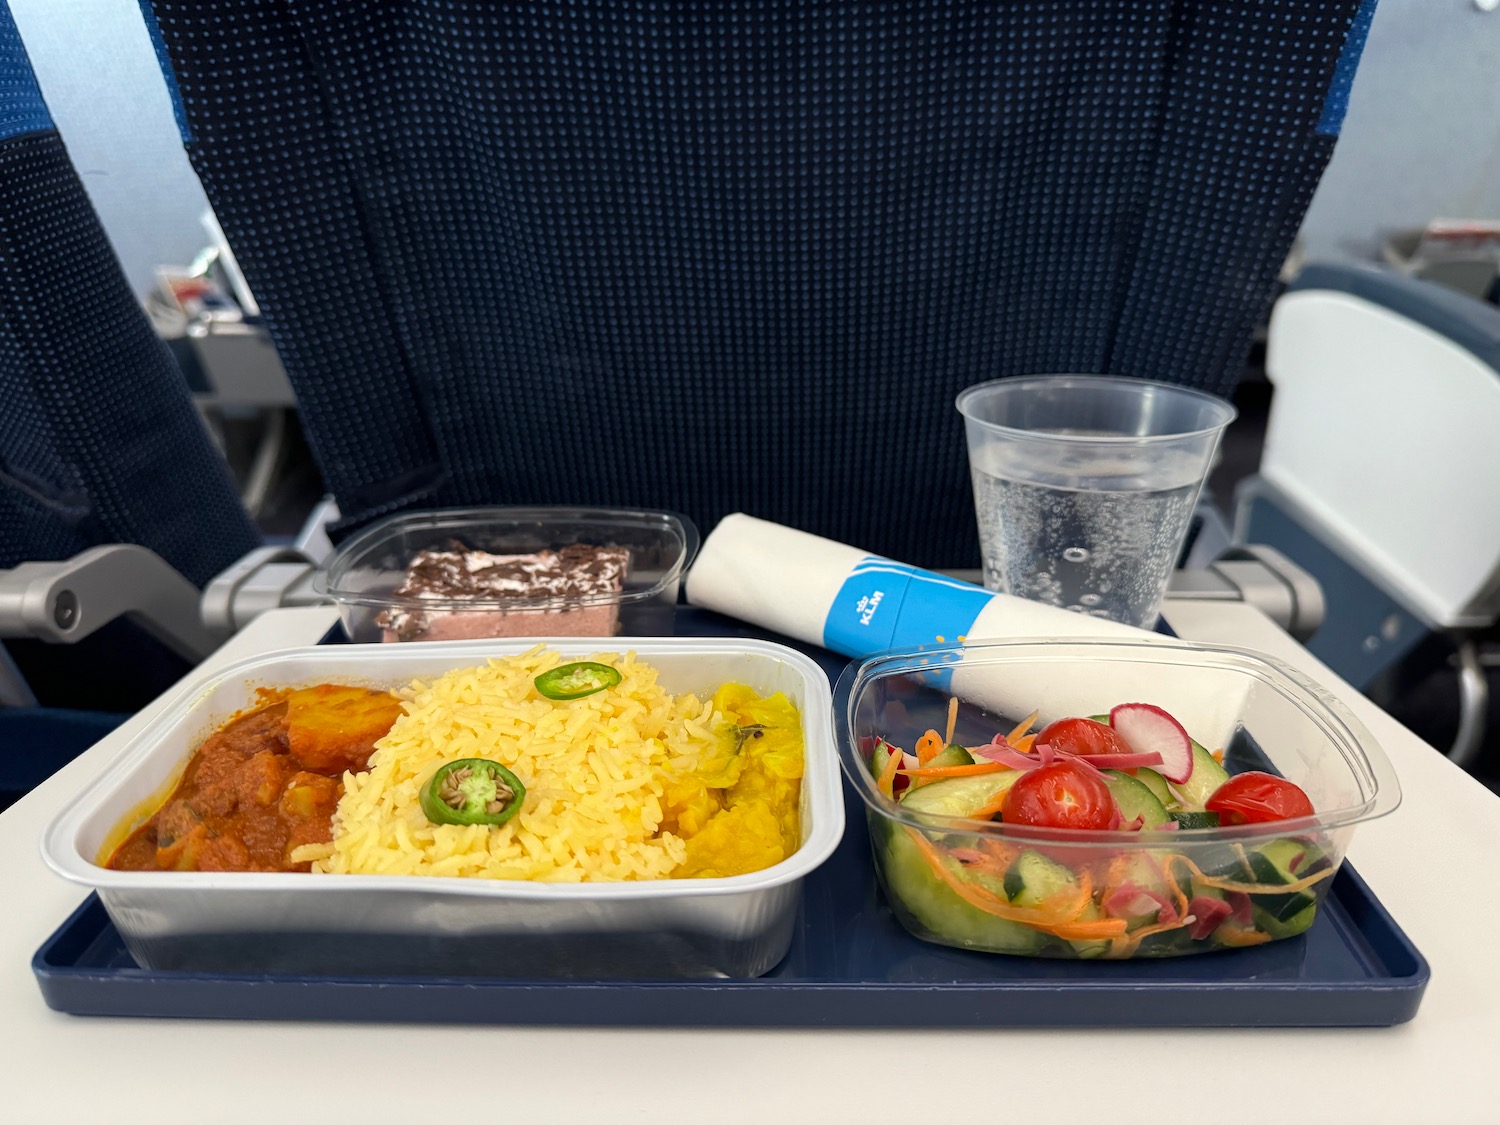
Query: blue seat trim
[[1337, 103], [179, 114], [22, 109]]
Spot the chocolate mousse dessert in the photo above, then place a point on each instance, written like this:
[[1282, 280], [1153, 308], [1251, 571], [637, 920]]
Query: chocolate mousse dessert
[[507, 590]]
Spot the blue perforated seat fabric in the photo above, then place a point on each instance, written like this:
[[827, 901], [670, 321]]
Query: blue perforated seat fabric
[[99, 441], [742, 254]]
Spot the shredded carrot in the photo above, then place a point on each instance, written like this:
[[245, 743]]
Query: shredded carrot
[[928, 746], [932, 773], [985, 812], [1086, 931], [1217, 755], [1177, 896], [1267, 888], [952, 718], [1075, 904], [1023, 744], [1022, 727], [1114, 876], [1239, 854], [1127, 944], [986, 864], [1239, 938], [1178, 857], [974, 896], [1001, 852], [1250, 888], [1144, 932], [1051, 922], [887, 780]]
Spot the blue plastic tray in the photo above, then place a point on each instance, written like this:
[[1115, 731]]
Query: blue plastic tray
[[850, 965]]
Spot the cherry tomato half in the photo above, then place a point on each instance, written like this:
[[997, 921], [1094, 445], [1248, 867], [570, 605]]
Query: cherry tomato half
[[1082, 736], [1255, 797], [1062, 795]]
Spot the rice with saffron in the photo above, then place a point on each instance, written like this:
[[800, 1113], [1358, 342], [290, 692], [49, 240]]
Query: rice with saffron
[[597, 772]]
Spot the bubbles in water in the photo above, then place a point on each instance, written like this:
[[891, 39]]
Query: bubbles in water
[[1097, 552]]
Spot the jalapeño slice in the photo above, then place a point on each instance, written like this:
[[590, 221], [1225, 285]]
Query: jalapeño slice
[[472, 791], [574, 681]]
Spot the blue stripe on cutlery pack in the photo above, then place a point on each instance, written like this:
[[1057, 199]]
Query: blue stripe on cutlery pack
[[886, 605]]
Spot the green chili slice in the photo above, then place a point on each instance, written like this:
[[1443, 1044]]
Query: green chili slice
[[472, 791], [574, 681]]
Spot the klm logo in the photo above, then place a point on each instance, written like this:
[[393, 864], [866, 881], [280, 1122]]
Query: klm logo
[[866, 606]]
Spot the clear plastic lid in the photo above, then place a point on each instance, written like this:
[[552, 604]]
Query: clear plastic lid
[[369, 568]]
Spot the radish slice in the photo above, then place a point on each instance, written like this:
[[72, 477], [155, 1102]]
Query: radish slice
[[1207, 914], [1132, 900], [1150, 730]]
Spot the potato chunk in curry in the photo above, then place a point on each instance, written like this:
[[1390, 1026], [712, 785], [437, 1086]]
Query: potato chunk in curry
[[264, 784], [331, 728]]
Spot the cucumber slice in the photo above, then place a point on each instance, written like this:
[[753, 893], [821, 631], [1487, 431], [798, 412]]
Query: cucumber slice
[[1272, 863], [1135, 799], [1289, 926], [952, 756], [959, 796], [927, 906], [1289, 859], [880, 756], [1033, 878], [1188, 819], [1192, 888], [1207, 776], [1146, 873], [1169, 944], [1157, 784], [1090, 950], [1284, 916]]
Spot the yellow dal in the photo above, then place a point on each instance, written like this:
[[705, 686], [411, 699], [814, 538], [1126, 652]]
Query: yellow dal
[[628, 783]]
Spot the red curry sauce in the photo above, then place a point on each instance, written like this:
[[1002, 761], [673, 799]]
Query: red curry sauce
[[263, 784]]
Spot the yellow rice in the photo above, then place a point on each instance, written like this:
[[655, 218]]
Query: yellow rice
[[595, 771]]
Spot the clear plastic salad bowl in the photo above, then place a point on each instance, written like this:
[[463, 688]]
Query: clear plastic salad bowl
[[1156, 885]]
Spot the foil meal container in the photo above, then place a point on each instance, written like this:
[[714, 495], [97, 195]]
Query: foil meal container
[[253, 922]]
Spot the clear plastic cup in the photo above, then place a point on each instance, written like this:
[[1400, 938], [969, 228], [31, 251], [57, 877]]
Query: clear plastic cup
[[1084, 486]]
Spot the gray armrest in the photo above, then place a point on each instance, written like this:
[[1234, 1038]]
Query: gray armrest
[[266, 578], [63, 602], [1263, 577]]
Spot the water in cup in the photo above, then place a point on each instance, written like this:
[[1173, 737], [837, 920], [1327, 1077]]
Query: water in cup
[[1084, 486], [1103, 544]]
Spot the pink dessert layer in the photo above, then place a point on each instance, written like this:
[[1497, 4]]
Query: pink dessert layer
[[460, 574]]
